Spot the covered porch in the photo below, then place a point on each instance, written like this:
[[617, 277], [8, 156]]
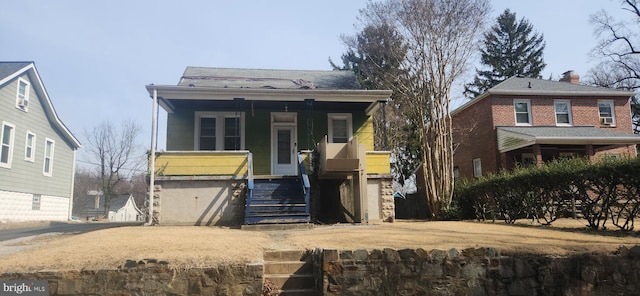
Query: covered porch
[[524, 146]]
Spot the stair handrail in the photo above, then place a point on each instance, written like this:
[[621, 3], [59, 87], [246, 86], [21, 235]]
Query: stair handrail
[[304, 179], [249, 183]]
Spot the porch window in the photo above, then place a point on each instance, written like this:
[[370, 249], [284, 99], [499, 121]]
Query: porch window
[[6, 147], [522, 111], [340, 127], [563, 112], [477, 168], [606, 113], [219, 131]]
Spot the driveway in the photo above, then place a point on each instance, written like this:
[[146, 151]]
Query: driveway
[[60, 227]]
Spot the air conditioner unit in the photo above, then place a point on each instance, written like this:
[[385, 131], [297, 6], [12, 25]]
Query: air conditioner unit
[[606, 120], [22, 103]]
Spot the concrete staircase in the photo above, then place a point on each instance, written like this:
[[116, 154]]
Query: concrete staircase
[[290, 271]]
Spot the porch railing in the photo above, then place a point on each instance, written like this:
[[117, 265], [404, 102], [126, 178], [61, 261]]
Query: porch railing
[[233, 164], [304, 179], [249, 184]]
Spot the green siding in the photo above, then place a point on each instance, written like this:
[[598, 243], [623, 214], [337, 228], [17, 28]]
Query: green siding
[[181, 124], [26, 176]]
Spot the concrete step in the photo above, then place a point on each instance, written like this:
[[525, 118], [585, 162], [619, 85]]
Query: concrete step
[[274, 227], [292, 281], [299, 292], [288, 267], [287, 256]]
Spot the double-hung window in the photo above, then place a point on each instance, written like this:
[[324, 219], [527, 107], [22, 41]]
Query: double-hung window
[[219, 131], [606, 113], [30, 147], [522, 110], [477, 167], [22, 96], [563, 112], [47, 167], [6, 146], [340, 127]]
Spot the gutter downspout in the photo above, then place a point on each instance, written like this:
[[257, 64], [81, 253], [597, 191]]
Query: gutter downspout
[[152, 156], [73, 182]]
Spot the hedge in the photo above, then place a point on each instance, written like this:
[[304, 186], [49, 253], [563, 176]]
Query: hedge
[[604, 192]]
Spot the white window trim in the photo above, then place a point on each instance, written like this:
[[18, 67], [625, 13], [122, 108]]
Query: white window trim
[[11, 143], [555, 112], [219, 116], [33, 147], [347, 116], [51, 157], [515, 114], [26, 94], [613, 112], [477, 168]]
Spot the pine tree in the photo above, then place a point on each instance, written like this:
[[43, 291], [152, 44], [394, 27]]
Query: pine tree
[[510, 48]]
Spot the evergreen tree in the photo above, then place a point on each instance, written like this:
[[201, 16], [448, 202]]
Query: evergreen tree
[[510, 48]]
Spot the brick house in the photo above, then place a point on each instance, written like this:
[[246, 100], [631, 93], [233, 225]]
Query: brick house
[[524, 121]]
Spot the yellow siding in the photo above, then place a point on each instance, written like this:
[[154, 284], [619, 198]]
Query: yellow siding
[[365, 134], [190, 164], [378, 163]]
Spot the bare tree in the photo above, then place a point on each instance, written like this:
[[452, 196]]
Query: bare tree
[[440, 36], [619, 50], [117, 155]]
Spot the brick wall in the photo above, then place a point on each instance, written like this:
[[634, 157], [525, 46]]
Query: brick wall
[[475, 126]]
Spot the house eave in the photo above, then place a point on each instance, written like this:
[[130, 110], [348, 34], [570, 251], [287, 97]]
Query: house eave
[[575, 141], [561, 93], [168, 93]]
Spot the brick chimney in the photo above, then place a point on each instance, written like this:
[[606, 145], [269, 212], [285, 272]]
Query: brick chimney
[[570, 77]]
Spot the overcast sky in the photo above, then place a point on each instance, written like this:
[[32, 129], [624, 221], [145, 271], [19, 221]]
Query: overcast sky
[[95, 57]]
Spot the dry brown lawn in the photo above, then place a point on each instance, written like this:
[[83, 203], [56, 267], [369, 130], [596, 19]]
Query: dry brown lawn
[[207, 246]]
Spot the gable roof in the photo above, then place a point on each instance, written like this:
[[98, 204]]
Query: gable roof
[[515, 137], [539, 87], [11, 70], [268, 78], [227, 84]]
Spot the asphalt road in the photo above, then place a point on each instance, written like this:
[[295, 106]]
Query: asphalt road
[[61, 227]]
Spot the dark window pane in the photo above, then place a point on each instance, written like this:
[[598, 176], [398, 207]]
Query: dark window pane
[[232, 133], [207, 133], [284, 146], [340, 133]]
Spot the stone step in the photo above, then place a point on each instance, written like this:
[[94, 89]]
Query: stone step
[[291, 282], [287, 255], [288, 267], [299, 292]]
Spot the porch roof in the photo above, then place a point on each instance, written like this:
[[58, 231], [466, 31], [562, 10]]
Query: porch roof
[[224, 84], [512, 138]]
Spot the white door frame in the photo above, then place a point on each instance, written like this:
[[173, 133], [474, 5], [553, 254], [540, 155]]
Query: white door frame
[[284, 120]]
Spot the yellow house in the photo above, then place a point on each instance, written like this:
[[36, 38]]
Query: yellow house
[[249, 146]]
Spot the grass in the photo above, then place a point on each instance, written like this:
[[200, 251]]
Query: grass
[[192, 246]]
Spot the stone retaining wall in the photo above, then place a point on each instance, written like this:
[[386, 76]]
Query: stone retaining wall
[[151, 278], [481, 271], [474, 271]]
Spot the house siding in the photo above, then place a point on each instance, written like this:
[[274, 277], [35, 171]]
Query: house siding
[[18, 206], [181, 126], [26, 176]]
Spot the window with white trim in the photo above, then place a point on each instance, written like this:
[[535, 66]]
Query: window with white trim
[[522, 110], [340, 127], [6, 146], [22, 96], [606, 113], [47, 167], [30, 147], [563, 112], [219, 131], [477, 168]]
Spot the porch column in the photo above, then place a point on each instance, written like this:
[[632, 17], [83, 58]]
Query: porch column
[[152, 157], [589, 151], [503, 161], [537, 152]]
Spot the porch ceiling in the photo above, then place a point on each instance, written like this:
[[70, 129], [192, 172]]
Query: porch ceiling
[[512, 138]]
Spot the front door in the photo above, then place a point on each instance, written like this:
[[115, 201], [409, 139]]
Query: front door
[[283, 147]]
